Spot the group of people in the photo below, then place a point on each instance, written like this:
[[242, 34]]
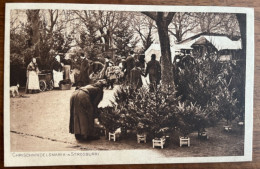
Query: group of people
[[135, 69], [61, 69], [85, 99], [93, 77], [129, 71]]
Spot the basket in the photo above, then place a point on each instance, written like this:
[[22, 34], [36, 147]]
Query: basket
[[65, 86]]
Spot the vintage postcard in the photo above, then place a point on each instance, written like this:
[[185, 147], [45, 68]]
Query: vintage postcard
[[127, 84]]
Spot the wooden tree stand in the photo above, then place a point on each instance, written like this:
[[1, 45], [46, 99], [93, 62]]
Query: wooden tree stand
[[240, 123], [141, 137], [227, 128], [203, 135], [184, 141], [113, 136], [159, 142]]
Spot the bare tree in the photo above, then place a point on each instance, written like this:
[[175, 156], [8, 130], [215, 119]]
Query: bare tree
[[108, 21], [209, 22], [15, 22], [104, 22], [181, 24], [143, 26], [163, 19], [230, 25]]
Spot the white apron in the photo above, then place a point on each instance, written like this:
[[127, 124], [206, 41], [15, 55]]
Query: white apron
[[72, 78], [57, 77], [33, 81]]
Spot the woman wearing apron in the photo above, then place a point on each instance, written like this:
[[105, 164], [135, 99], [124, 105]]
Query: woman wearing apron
[[32, 85]]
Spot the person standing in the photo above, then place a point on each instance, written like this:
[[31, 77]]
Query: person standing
[[129, 65], [141, 62], [67, 67], [84, 72], [57, 71], [32, 84], [122, 65], [135, 77], [111, 76], [154, 70]]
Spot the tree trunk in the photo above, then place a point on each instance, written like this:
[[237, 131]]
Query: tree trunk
[[242, 25], [106, 38], [166, 61], [162, 21], [34, 20]]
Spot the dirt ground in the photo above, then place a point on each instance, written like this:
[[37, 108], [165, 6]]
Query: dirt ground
[[40, 122]]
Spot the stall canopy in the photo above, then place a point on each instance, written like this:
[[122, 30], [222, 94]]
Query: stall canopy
[[220, 42]]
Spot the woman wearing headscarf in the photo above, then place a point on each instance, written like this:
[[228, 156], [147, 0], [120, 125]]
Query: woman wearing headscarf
[[32, 84]]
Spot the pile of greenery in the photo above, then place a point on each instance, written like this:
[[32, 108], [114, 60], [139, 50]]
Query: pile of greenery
[[206, 91], [151, 113]]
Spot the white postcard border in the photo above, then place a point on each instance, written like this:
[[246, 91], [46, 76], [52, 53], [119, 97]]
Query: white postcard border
[[125, 156]]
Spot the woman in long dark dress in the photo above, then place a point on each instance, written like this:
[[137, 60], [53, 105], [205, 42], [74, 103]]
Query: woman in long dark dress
[[83, 110]]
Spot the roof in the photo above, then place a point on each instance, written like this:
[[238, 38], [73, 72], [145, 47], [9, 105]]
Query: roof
[[219, 42], [207, 34]]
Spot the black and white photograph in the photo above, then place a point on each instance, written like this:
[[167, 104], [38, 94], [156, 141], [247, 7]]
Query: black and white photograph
[[124, 84]]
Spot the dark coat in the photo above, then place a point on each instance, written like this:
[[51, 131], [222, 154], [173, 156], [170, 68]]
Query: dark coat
[[66, 61], [129, 65], [83, 109], [135, 78], [140, 64], [57, 66], [84, 73], [154, 70]]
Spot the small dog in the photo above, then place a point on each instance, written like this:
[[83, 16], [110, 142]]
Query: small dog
[[14, 89]]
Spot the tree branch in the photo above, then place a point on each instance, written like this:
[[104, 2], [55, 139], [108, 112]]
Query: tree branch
[[169, 17], [151, 15], [174, 34]]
